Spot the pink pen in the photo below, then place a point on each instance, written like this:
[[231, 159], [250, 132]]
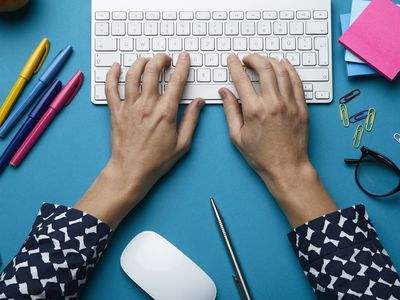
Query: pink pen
[[64, 98]]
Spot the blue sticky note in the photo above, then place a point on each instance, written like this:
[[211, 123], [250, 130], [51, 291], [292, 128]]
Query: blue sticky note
[[357, 8], [355, 69]]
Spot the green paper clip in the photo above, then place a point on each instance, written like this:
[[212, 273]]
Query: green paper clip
[[344, 115], [369, 123], [358, 136]]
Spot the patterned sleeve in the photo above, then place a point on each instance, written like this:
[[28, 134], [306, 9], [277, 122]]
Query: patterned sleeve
[[62, 247], [342, 257]]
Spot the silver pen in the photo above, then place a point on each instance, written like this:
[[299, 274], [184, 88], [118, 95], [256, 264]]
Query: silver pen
[[238, 278]]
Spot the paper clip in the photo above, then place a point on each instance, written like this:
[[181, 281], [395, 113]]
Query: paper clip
[[369, 123], [359, 116], [344, 115], [349, 96], [396, 137], [358, 136]]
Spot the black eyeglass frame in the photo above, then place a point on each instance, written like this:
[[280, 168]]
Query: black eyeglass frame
[[382, 158]]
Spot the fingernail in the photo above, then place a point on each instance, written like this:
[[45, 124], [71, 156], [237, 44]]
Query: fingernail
[[201, 103], [222, 93], [183, 55], [231, 56]]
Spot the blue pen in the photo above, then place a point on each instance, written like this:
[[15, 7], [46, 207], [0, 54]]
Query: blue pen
[[44, 81], [35, 115]]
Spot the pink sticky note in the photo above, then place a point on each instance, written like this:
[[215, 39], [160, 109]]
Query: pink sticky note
[[375, 37]]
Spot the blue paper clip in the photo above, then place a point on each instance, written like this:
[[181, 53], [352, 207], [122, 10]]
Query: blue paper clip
[[362, 115], [349, 96]]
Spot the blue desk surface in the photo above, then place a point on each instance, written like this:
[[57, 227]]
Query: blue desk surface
[[76, 147]]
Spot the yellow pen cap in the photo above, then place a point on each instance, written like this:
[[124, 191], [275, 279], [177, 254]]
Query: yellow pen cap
[[36, 60]]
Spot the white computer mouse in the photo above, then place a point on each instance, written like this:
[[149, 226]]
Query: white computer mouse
[[163, 271]]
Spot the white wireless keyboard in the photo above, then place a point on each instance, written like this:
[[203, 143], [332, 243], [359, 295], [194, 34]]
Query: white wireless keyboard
[[123, 30]]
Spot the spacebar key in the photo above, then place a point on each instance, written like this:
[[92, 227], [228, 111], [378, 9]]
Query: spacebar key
[[316, 74], [208, 91]]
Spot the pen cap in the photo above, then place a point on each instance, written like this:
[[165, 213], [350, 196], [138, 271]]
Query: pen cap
[[46, 99], [68, 93], [55, 66], [36, 60]]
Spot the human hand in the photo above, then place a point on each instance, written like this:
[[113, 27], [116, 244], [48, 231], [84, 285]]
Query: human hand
[[145, 140], [270, 129]]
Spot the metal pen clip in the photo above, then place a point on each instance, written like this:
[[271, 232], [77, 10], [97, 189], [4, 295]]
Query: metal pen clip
[[344, 115], [349, 96], [358, 136], [359, 116], [369, 123], [396, 137]]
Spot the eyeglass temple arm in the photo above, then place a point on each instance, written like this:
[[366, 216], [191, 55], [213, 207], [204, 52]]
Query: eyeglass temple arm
[[350, 161]]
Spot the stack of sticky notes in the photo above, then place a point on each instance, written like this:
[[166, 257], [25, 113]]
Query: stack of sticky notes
[[371, 34]]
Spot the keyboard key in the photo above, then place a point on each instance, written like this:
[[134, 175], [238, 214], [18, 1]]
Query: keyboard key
[[129, 59], [280, 28], [192, 91], [211, 59], [119, 15], [317, 27], [175, 44], [270, 15], [223, 44], [101, 29], [322, 95], [294, 58], [264, 28], [146, 55], [232, 28], [321, 45], [272, 43], [309, 59], [252, 75], [203, 75], [102, 15], [150, 28], [126, 44], [219, 75], [159, 44], [239, 44], [191, 44], [256, 44], [167, 28], [247, 28], [175, 57], [191, 76], [307, 87], [186, 15], [304, 15], [253, 15], [143, 44], [152, 15], [236, 15], [215, 28], [224, 59], [136, 15], [276, 55], [305, 43], [169, 15], [286, 15], [320, 15], [296, 28], [134, 28], [100, 94], [203, 15], [183, 28], [118, 29], [207, 44], [308, 95], [196, 59], [288, 43], [220, 15], [107, 59], [100, 75], [313, 74], [199, 28]]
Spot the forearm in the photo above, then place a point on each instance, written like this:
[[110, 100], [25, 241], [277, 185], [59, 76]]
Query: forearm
[[300, 193]]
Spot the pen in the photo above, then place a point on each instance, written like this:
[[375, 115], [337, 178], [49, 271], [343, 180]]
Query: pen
[[36, 113], [63, 99], [31, 67], [238, 278], [44, 81]]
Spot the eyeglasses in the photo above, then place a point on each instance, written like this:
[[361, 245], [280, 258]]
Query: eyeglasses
[[376, 174]]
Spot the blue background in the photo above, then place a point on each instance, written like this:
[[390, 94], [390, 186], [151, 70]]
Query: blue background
[[76, 147]]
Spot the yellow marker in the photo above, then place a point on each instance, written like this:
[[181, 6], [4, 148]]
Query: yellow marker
[[31, 67]]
